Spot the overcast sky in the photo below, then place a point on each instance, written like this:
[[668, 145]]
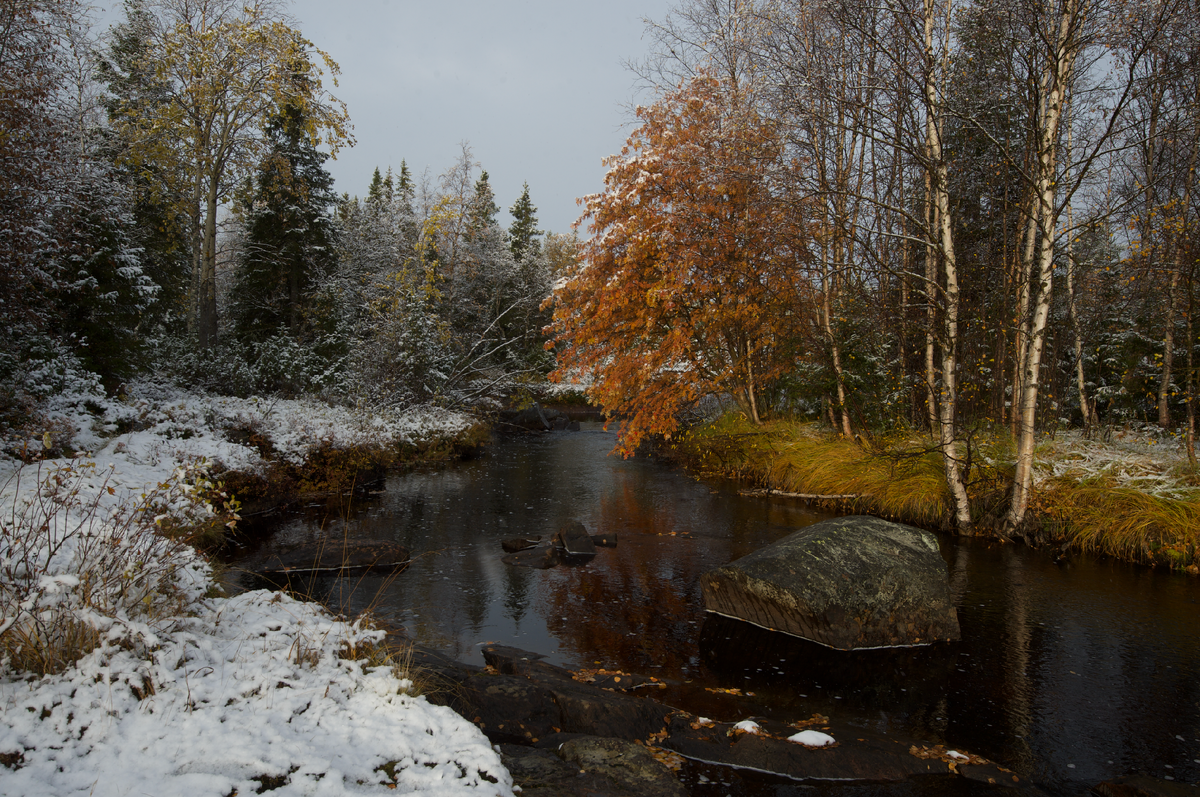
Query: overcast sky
[[536, 88]]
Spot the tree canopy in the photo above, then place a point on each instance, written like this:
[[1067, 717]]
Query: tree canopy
[[688, 285]]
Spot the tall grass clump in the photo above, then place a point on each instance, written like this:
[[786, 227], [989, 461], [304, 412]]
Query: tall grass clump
[[82, 564], [1096, 515], [897, 479]]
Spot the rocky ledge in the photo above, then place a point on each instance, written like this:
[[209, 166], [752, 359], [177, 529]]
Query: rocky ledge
[[603, 734]]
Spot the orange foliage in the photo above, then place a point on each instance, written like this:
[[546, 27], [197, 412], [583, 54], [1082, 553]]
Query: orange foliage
[[689, 285]]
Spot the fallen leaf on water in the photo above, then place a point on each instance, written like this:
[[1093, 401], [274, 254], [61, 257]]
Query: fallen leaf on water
[[815, 719], [951, 757]]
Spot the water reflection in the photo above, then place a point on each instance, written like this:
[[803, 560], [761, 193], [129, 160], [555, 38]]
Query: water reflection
[[1093, 665]]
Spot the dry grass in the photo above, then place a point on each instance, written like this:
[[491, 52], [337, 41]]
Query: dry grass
[[1128, 494], [75, 565], [896, 479], [1099, 516]]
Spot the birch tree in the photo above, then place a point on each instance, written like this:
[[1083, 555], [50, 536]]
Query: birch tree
[[1069, 39]]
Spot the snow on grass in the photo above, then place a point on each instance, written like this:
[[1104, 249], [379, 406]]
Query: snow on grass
[[1145, 458], [168, 427], [250, 687], [155, 686]]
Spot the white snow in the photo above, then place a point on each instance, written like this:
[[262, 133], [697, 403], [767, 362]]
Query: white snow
[[251, 686], [812, 739], [190, 694], [747, 726]]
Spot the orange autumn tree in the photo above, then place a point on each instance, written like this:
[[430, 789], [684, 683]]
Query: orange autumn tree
[[689, 284]]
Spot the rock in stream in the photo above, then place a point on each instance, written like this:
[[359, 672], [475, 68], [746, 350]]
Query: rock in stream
[[850, 582]]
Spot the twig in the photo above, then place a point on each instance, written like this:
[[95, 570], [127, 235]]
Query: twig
[[805, 496]]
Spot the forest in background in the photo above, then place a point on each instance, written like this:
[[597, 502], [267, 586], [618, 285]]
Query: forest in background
[[938, 219], [165, 207], [956, 218]]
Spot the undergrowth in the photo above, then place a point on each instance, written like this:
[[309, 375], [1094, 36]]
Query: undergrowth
[[1097, 515], [898, 482], [79, 561]]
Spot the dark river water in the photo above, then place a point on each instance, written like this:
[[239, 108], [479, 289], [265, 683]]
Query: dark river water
[[1069, 674]]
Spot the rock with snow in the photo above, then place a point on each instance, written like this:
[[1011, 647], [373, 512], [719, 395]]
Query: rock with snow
[[812, 739], [848, 583]]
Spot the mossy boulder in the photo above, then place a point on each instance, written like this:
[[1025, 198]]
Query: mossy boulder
[[851, 582]]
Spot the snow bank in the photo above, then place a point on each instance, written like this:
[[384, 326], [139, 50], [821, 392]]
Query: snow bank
[[169, 427], [200, 695], [250, 687]]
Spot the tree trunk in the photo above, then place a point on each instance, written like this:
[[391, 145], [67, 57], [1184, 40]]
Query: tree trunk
[[1179, 245], [1021, 338], [207, 298], [1191, 385], [930, 308], [1073, 311], [834, 348], [947, 405], [1055, 77], [1168, 356]]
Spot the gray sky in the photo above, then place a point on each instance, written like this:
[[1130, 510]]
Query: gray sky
[[536, 88]]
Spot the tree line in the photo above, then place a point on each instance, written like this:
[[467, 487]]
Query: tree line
[[957, 216], [164, 200]]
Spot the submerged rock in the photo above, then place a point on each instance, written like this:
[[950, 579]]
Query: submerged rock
[[1144, 786], [329, 558], [851, 582], [589, 766], [514, 544], [521, 700], [574, 539], [540, 558], [605, 540], [628, 764]]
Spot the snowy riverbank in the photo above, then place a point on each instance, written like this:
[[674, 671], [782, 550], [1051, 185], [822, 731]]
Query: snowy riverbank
[[180, 690]]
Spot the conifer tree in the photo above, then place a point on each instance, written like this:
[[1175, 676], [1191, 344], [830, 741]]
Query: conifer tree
[[289, 235], [483, 209], [523, 233]]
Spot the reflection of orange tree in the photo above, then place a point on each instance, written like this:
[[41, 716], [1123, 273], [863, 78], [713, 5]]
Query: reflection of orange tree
[[629, 607]]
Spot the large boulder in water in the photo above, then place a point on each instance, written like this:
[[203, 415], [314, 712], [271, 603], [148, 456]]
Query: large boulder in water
[[850, 582]]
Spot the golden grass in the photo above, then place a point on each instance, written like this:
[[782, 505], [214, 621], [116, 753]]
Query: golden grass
[[1098, 516], [902, 479]]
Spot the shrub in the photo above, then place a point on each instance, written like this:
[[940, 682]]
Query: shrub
[[78, 564]]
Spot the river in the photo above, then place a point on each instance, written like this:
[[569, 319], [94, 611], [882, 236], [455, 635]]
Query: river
[[1068, 673]]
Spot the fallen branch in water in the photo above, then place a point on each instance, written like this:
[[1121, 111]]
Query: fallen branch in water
[[806, 496]]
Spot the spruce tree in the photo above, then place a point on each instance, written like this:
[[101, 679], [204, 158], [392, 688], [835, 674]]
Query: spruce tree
[[523, 233], [289, 234], [483, 210]]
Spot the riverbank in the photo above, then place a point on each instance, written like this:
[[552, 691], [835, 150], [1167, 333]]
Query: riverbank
[[116, 645], [1128, 494]]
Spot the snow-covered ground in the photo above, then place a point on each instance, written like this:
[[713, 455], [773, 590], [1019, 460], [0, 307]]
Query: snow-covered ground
[[191, 693]]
